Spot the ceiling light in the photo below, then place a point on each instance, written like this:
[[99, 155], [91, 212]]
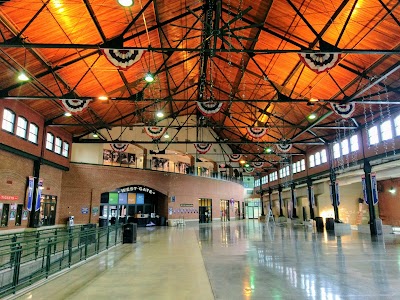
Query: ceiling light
[[160, 114], [247, 165], [125, 3], [268, 150], [22, 77], [392, 190], [103, 98], [312, 116], [149, 77], [95, 135], [67, 114], [313, 100], [166, 135], [242, 161]]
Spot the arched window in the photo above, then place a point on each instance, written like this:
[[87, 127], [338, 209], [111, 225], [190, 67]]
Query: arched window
[[22, 125], [8, 120]]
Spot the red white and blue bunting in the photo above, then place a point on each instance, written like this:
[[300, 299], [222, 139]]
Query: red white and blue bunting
[[123, 59], [155, 132], [119, 147], [320, 62], [284, 147], [257, 132], [208, 108], [248, 169], [235, 157], [343, 110], [203, 148], [257, 164], [75, 105]]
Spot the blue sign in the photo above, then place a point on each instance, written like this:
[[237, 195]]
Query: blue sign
[[31, 184], [374, 188], [364, 188], [123, 198], [139, 198], [85, 210], [39, 194]]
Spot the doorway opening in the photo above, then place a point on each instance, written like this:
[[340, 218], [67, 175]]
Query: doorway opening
[[225, 210], [205, 210]]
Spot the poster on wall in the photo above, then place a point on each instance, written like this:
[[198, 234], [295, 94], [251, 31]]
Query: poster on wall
[[95, 210], [12, 215], [39, 194], [25, 215]]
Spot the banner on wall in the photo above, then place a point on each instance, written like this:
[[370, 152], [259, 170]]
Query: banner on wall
[[39, 194], [29, 198], [364, 188], [337, 194], [311, 196]]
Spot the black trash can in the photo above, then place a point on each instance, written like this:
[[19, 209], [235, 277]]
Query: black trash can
[[163, 221], [103, 222], [319, 224], [330, 224], [129, 233]]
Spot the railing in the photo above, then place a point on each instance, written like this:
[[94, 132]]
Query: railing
[[26, 258]]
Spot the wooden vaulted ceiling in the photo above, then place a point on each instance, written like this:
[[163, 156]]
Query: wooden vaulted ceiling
[[244, 53]]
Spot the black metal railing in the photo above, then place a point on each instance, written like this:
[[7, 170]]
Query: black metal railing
[[27, 257]]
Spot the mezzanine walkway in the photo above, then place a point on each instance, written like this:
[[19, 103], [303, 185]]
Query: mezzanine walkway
[[235, 260]]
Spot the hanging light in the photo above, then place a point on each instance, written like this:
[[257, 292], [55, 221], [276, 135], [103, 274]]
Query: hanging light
[[95, 135], [166, 135], [392, 190], [268, 150], [67, 114], [22, 77], [125, 3], [312, 116], [160, 114], [149, 77], [103, 98]]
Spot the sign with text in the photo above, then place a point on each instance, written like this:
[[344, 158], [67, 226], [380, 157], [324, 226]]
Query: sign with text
[[6, 197], [186, 205], [136, 188]]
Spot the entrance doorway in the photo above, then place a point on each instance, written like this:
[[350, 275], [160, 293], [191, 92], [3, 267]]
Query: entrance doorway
[[225, 210], [252, 209], [205, 210], [48, 205]]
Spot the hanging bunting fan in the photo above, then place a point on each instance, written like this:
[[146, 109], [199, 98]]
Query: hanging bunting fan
[[248, 169], [343, 110], [284, 147], [256, 132], [208, 108], [119, 147], [155, 132], [202, 148], [235, 157], [320, 62], [121, 58], [75, 105], [257, 164]]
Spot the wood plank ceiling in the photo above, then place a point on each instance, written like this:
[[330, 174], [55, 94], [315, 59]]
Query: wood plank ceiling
[[241, 52]]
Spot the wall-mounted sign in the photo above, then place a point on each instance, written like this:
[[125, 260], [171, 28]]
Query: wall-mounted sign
[[25, 214], [85, 210], [186, 205], [95, 210], [6, 197], [173, 199], [136, 188]]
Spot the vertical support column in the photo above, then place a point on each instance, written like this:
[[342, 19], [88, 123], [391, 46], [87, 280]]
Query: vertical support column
[[270, 198], [334, 196], [368, 187], [294, 202], [310, 198], [144, 159], [34, 215], [280, 201], [261, 196]]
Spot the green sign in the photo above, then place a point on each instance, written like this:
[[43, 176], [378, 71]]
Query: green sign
[[113, 198], [186, 205]]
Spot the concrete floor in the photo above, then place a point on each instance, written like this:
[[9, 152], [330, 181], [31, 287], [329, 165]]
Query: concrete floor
[[235, 260]]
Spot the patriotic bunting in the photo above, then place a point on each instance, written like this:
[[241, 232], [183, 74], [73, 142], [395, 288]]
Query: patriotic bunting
[[209, 108], [122, 59], [75, 105], [235, 157], [155, 132], [284, 147], [248, 169], [119, 147], [256, 132], [343, 110], [202, 148], [257, 164], [320, 62]]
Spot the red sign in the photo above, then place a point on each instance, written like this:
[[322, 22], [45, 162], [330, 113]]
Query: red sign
[[5, 197]]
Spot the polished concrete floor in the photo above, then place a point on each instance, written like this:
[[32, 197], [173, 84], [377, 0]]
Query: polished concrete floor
[[236, 260]]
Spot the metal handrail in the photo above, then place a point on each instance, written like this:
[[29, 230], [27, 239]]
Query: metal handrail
[[26, 260]]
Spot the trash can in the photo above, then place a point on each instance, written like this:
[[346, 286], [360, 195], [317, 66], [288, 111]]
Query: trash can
[[330, 224], [319, 224], [163, 221], [103, 222], [129, 233]]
